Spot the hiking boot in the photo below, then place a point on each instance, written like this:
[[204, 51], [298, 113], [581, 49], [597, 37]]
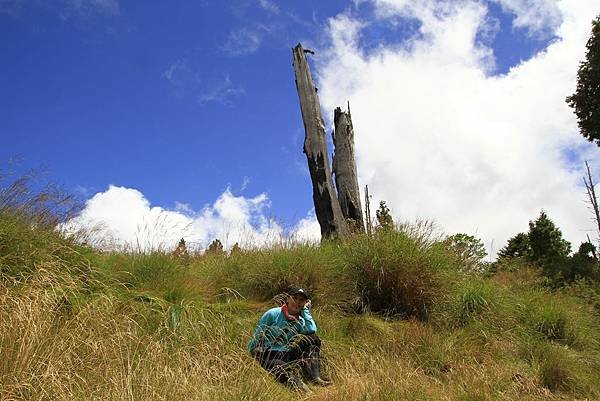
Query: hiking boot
[[297, 384], [314, 372], [321, 382]]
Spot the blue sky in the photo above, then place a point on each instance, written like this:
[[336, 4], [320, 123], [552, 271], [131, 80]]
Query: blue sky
[[180, 101]]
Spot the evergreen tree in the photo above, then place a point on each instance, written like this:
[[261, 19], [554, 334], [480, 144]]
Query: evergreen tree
[[518, 246], [384, 218], [215, 248], [546, 245], [583, 264], [181, 250], [235, 250], [586, 99]]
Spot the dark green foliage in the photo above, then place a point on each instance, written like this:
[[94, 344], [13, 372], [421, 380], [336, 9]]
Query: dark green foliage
[[546, 245], [586, 99], [235, 250], [215, 248], [384, 218], [583, 264], [469, 249], [518, 246], [181, 251]]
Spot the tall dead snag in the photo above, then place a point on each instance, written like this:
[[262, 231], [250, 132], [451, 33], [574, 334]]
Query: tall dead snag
[[327, 207], [591, 191], [344, 168], [369, 225]]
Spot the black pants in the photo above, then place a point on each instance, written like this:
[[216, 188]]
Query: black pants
[[303, 357]]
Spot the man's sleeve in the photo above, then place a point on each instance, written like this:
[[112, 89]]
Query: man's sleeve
[[310, 327], [259, 332]]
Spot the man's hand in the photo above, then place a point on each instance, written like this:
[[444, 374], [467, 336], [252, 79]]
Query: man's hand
[[308, 304]]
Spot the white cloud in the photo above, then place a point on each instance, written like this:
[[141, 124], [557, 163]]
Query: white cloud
[[246, 181], [307, 230], [222, 92], [187, 80], [246, 40], [269, 6], [539, 17], [438, 137], [178, 73], [123, 217]]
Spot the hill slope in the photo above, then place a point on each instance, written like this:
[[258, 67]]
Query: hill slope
[[399, 318]]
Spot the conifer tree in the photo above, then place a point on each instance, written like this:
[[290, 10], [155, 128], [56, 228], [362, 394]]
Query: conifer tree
[[181, 250], [215, 248], [546, 245], [384, 218], [235, 249], [586, 99], [518, 246]]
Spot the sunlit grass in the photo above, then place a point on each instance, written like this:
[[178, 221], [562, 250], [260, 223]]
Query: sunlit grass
[[398, 317]]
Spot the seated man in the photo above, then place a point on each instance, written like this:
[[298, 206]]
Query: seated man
[[285, 340]]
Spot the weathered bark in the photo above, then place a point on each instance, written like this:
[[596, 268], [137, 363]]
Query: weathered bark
[[344, 168], [327, 207], [368, 212]]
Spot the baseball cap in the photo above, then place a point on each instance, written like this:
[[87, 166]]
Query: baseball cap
[[298, 291]]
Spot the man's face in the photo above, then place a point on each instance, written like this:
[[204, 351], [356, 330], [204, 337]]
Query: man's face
[[295, 303]]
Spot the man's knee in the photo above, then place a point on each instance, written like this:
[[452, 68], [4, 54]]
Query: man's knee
[[309, 341]]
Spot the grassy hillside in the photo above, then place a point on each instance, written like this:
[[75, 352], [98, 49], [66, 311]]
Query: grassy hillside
[[399, 318]]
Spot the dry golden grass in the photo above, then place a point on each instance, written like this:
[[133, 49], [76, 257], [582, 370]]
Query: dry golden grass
[[56, 346], [77, 324]]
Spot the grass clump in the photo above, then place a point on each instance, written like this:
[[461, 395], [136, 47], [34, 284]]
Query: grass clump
[[555, 372], [263, 274], [475, 300], [395, 274], [552, 323]]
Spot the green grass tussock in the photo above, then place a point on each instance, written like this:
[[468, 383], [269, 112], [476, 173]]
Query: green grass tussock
[[395, 274]]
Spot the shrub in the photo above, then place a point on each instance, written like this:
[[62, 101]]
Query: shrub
[[393, 274], [468, 249]]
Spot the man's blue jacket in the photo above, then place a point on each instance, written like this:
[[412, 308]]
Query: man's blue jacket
[[274, 331]]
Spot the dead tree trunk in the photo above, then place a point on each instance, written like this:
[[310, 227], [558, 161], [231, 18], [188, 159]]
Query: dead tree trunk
[[591, 191], [327, 207], [344, 168], [368, 212]]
